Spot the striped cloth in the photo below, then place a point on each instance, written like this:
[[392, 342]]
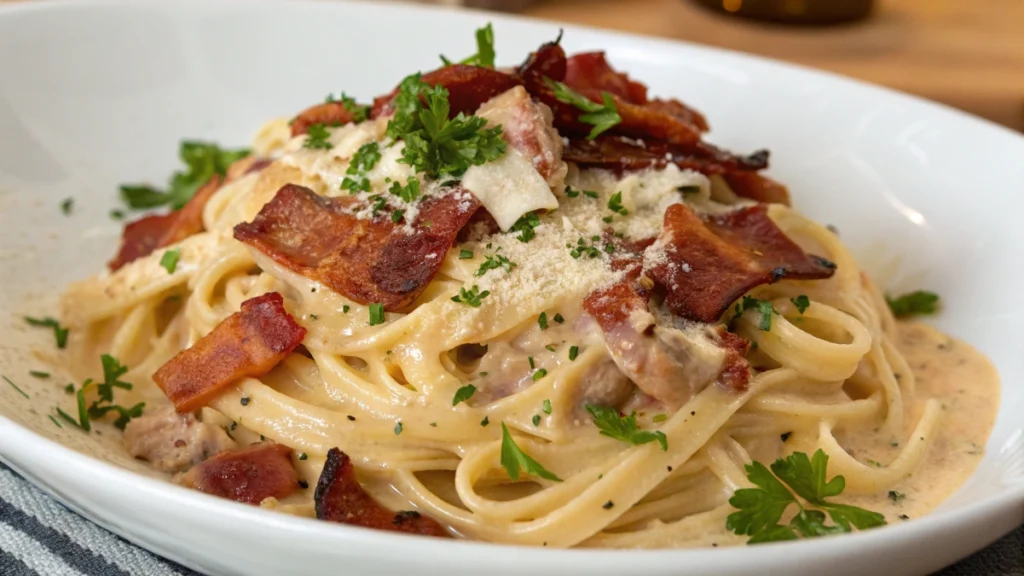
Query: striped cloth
[[39, 536]]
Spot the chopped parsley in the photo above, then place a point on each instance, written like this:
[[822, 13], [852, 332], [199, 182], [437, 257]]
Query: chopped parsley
[[573, 193], [550, 347], [802, 302], [558, 318], [540, 373], [59, 332], [546, 406], [465, 254], [601, 116], [917, 302], [471, 297], [66, 205], [463, 394], [484, 49], [896, 496], [530, 359], [244, 401], [763, 307], [761, 508], [542, 320], [116, 214], [202, 160], [169, 260], [15, 386], [345, 308], [485, 421], [624, 428], [493, 263], [434, 144], [398, 428], [583, 248], [112, 371], [514, 460], [303, 456], [376, 313], [659, 418], [615, 204], [396, 216], [574, 351], [362, 162], [525, 226], [408, 193], [316, 138], [39, 374]]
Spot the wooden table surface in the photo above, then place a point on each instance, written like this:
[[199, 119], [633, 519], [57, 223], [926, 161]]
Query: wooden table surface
[[965, 53]]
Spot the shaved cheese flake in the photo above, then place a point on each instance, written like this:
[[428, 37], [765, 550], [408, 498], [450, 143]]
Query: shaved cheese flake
[[509, 187]]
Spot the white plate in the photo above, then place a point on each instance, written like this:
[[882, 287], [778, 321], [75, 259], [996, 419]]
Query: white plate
[[94, 93]]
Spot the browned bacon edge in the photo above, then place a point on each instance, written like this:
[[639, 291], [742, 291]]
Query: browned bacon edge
[[248, 343], [366, 260], [248, 475], [468, 87], [328, 114], [143, 236], [712, 261], [340, 498]]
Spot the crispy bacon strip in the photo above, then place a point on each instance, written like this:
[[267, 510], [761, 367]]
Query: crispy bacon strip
[[247, 343], [367, 260], [468, 87], [710, 262], [249, 475], [143, 236], [328, 113], [340, 498]]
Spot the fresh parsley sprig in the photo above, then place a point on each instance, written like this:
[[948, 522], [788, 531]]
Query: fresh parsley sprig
[[513, 459], [484, 49], [601, 116], [202, 159], [434, 144], [112, 371], [761, 508], [914, 303], [624, 428], [362, 162]]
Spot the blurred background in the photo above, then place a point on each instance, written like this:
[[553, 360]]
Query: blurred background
[[965, 53]]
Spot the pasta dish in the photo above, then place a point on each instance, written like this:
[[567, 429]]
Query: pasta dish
[[528, 305]]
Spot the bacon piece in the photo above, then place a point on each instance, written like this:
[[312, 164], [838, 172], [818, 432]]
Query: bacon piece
[[757, 187], [591, 71], [710, 262], [526, 126], [328, 113], [620, 153], [249, 475], [340, 498], [248, 343], [143, 236], [468, 87], [366, 260]]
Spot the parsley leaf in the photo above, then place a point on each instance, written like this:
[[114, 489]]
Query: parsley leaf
[[359, 113], [525, 226], [434, 144], [408, 193], [493, 263], [761, 508], [376, 313], [615, 204], [623, 427], [601, 116], [542, 320], [763, 307], [546, 406], [802, 302], [362, 162], [66, 205], [513, 459], [484, 49], [463, 394], [917, 302], [203, 160], [471, 297], [59, 332], [316, 138], [170, 259]]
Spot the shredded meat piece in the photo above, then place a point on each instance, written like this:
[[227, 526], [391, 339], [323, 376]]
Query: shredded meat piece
[[367, 260], [248, 475], [526, 126], [340, 498], [174, 442], [248, 343]]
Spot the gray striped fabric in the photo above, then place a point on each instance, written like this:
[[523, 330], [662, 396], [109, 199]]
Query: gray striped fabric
[[39, 536]]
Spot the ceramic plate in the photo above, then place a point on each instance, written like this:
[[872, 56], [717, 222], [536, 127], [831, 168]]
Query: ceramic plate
[[95, 93]]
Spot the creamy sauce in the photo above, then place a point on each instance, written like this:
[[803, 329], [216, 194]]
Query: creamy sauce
[[967, 385]]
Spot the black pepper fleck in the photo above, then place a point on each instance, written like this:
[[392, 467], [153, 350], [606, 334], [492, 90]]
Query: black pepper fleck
[[608, 505], [245, 400]]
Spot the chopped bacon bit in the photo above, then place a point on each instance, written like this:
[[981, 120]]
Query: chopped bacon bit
[[715, 260], [249, 475], [247, 343], [328, 114], [614, 305], [365, 260], [340, 498], [736, 372], [141, 237], [468, 87]]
